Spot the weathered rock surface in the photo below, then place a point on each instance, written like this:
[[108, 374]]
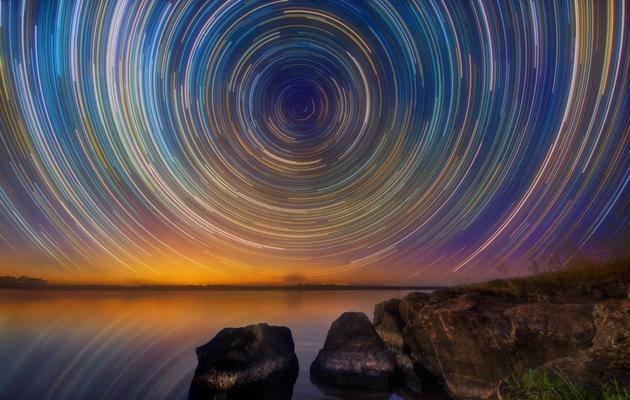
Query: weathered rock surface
[[389, 324], [256, 361], [473, 341], [612, 340], [354, 356]]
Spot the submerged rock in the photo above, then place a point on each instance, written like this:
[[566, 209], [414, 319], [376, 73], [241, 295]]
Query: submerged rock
[[256, 361], [354, 356]]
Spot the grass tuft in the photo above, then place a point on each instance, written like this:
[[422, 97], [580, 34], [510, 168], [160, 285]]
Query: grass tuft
[[614, 391], [554, 278], [534, 385]]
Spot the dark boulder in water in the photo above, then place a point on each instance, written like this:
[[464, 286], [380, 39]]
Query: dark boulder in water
[[354, 356], [256, 361]]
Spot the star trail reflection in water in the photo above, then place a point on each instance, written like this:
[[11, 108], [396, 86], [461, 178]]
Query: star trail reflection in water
[[123, 345]]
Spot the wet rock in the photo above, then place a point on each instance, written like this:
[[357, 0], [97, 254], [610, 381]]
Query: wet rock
[[256, 361], [354, 356]]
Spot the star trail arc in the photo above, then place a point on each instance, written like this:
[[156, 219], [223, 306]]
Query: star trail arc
[[395, 141]]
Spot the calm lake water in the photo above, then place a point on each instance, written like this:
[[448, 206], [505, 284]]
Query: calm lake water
[[121, 345]]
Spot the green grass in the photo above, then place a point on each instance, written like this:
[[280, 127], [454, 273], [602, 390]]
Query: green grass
[[533, 385], [551, 278], [614, 391]]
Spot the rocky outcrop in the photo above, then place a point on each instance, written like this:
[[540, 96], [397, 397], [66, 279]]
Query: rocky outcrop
[[256, 361], [474, 340], [354, 356]]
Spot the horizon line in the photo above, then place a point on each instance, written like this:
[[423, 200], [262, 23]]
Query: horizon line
[[33, 283], [219, 287]]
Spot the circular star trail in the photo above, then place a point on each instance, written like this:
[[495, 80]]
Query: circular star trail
[[389, 140]]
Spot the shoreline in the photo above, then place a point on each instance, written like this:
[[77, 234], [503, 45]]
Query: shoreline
[[219, 288]]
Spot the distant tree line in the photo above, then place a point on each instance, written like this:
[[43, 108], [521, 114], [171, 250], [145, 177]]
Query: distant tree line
[[22, 282]]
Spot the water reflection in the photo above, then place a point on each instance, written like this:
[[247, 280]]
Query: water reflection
[[123, 345], [282, 391], [351, 394]]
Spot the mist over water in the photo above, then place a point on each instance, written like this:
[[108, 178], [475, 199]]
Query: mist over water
[[122, 345]]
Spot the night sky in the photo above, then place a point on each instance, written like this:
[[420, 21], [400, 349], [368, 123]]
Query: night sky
[[392, 142]]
